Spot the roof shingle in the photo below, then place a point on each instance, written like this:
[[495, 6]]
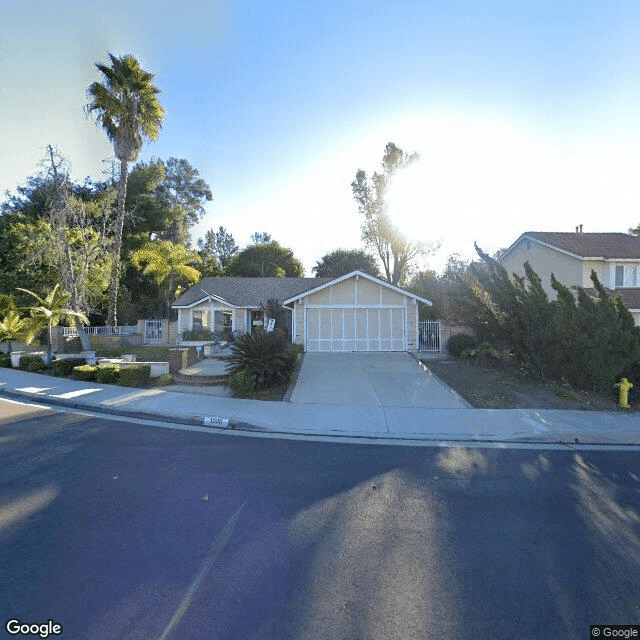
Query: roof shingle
[[247, 292], [592, 245]]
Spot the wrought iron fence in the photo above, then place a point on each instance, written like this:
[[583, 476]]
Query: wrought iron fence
[[429, 334]]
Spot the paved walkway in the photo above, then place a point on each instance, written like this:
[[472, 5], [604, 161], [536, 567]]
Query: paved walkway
[[442, 424]]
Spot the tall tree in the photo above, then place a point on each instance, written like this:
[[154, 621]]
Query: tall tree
[[127, 108], [378, 232], [166, 262], [217, 246], [343, 261], [265, 260], [80, 246], [261, 237]]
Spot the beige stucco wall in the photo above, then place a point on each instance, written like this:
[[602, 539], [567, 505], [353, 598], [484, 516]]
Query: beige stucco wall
[[361, 292], [545, 261], [602, 271]]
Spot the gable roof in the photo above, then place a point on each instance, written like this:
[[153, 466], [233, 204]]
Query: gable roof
[[358, 273], [604, 246], [245, 292]]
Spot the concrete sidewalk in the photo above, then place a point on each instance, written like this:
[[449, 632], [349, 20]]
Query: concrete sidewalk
[[443, 424]]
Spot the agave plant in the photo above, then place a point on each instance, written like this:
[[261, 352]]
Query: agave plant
[[265, 357]]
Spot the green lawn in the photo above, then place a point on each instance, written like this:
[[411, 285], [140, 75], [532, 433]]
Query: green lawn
[[146, 353]]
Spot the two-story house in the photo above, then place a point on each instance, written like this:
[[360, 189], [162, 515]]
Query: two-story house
[[615, 257]]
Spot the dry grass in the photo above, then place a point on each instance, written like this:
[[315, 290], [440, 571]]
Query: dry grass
[[494, 386]]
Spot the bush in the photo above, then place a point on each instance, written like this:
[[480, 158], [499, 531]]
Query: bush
[[135, 376], [108, 374], [242, 385], [32, 363], [266, 357], [64, 368], [459, 343], [85, 372], [5, 360], [164, 380], [484, 351], [201, 334]]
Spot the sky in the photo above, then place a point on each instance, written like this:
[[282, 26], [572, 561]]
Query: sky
[[526, 115]]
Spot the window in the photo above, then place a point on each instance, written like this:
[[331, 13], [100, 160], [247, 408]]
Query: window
[[626, 275], [199, 320]]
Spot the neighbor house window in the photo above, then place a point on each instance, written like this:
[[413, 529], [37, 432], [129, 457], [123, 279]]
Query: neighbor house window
[[626, 275]]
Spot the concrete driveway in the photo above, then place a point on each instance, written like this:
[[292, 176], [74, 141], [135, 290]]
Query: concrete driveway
[[371, 379]]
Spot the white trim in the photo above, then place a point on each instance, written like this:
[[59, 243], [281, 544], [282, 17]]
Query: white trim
[[205, 300], [358, 274]]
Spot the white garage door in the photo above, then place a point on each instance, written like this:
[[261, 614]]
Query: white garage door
[[355, 329]]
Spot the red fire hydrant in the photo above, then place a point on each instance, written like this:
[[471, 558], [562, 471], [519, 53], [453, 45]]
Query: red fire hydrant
[[624, 385]]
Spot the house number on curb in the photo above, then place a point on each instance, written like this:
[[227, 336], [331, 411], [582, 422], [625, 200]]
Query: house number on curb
[[216, 422]]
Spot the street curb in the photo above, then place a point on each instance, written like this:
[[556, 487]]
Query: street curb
[[86, 406], [198, 421]]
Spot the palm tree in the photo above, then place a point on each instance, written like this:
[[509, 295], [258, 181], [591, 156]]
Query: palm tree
[[127, 108], [165, 261], [12, 327], [50, 311]]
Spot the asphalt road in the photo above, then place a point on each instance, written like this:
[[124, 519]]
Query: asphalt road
[[124, 531]]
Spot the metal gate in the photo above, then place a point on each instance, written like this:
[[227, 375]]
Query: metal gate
[[429, 335], [153, 332]]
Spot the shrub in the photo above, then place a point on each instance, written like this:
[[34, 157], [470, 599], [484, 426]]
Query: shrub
[[484, 351], [266, 357], [31, 363], [163, 380], [85, 372], [242, 384], [5, 360], [201, 334], [135, 376], [64, 368], [459, 343], [108, 374]]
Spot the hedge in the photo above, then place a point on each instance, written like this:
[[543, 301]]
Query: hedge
[[5, 360], [108, 374], [85, 372], [135, 376], [63, 368], [32, 363]]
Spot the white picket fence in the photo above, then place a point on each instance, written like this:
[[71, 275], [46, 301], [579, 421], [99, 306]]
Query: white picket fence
[[72, 332]]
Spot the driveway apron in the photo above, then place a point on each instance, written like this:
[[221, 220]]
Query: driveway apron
[[373, 379]]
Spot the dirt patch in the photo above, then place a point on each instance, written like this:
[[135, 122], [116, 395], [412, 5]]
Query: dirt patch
[[493, 386]]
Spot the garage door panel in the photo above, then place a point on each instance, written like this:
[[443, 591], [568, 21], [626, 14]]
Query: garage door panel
[[325, 324], [355, 329]]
